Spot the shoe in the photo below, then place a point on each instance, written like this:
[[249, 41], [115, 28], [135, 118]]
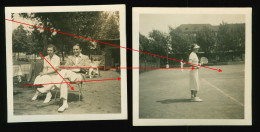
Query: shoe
[[48, 98], [192, 98], [197, 99], [35, 96], [63, 108]]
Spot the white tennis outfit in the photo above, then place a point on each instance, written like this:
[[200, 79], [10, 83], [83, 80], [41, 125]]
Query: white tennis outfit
[[57, 81], [194, 74], [55, 62]]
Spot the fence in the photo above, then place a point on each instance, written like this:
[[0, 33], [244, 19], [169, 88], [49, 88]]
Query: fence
[[146, 60], [214, 59], [21, 69]]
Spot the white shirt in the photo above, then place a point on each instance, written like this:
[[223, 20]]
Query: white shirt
[[77, 59], [54, 61], [193, 56]]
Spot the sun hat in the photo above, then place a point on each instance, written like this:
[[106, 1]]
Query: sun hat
[[195, 46]]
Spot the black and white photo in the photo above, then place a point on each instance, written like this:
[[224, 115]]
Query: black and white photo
[[63, 63], [197, 66]]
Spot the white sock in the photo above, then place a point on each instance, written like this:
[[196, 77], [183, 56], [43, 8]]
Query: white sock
[[48, 94], [65, 102]]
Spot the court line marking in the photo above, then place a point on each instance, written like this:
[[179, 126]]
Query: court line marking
[[223, 92]]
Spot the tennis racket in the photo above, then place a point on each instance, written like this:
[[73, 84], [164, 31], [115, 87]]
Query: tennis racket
[[203, 60]]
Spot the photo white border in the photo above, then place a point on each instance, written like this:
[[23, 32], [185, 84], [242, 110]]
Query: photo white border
[[136, 11], [65, 117]]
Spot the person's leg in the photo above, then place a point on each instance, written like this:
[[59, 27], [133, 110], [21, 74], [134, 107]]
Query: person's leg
[[37, 93], [90, 72], [97, 71], [42, 88], [196, 80], [72, 76], [37, 81], [45, 88], [195, 93], [192, 94], [194, 84], [48, 97], [197, 85], [63, 96]]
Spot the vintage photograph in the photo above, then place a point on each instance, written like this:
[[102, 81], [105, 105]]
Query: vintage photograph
[[63, 63], [194, 66]]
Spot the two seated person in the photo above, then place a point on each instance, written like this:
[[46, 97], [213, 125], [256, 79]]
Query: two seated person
[[50, 76]]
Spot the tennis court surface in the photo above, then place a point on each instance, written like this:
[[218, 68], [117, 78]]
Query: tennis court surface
[[165, 94]]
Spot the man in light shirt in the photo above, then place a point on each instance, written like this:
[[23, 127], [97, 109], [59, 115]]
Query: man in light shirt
[[77, 60]]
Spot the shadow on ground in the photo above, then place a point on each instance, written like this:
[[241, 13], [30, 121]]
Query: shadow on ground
[[72, 97], [168, 101], [53, 102]]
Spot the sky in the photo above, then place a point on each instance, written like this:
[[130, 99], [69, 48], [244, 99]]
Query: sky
[[161, 22], [21, 19]]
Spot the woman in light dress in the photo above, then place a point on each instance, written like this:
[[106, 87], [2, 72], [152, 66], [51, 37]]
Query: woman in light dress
[[194, 74], [48, 73]]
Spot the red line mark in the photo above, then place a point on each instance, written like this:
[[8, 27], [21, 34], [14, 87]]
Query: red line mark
[[125, 68], [219, 70], [56, 71], [74, 82]]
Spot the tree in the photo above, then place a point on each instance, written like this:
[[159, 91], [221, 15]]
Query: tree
[[20, 40], [36, 42], [237, 33], [206, 38], [144, 43], [158, 42], [231, 39], [180, 42], [94, 24], [110, 27]]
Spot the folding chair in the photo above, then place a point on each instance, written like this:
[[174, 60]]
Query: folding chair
[[81, 77]]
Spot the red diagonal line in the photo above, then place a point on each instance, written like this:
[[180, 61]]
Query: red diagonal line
[[124, 68], [74, 82], [56, 71], [113, 45]]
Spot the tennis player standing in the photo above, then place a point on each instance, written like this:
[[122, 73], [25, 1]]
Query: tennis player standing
[[182, 65], [194, 74]]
